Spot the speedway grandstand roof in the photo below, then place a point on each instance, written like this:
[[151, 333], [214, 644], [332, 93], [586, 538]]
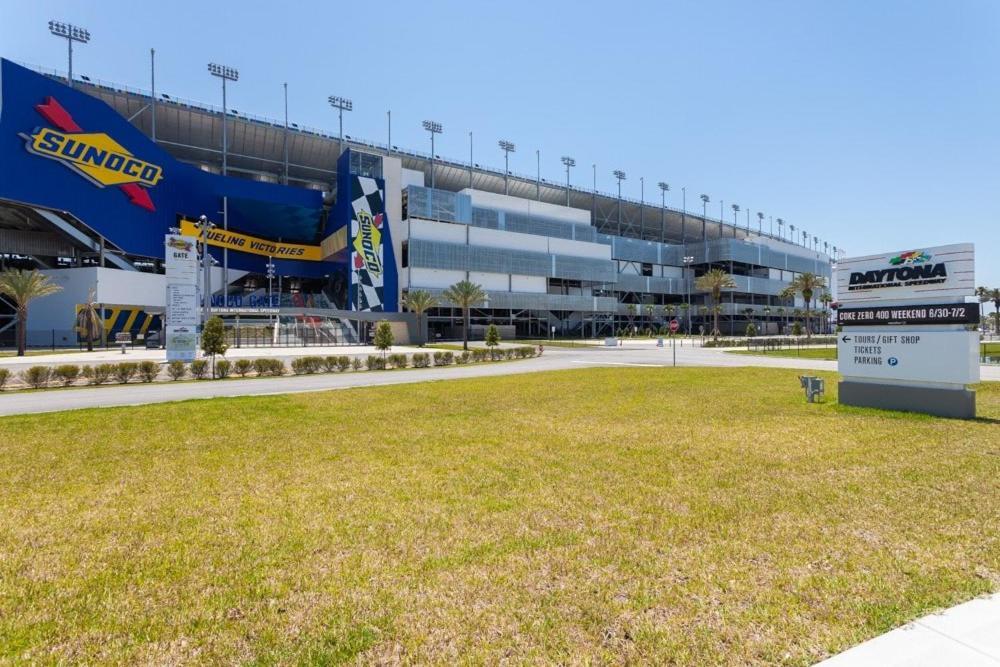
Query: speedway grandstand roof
[[192, 131]]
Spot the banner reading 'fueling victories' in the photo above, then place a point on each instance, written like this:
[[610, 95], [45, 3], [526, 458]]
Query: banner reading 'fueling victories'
[[369, 237]]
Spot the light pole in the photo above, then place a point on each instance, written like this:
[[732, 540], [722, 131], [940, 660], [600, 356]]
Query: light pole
[[704, 217], [791, 233], [470, 160], [736, 212], [538, 175], [664, 189], [781, 228], [760, 224], [341, 104], [204, 227], [593, 201], [507, 147], [285, 137], [226, 74], [620, 175], [684, 197], [70, 33], [434, 128], [805, 238], [569, 162], [688, 260], [270, 277]]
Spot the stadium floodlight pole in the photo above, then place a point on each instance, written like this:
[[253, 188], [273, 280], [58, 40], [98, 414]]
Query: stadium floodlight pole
[[226, 74], [664, 189], [704, 217], [781, 228], [507, 148], [684, 197], [341, 104], [152, 94], [388, 140], [748, 221], [70, 33], [736, 212], [434, 128], [791, 233], [620, 175], [805, 238], [642, 204], [538, 174], [826, 248], [688, 260], [569, 162], [284, 147], [593, 199], [471, 163]]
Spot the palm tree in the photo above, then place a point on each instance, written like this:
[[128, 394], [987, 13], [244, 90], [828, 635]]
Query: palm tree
[[89, 321], [780, 310], [805, 284], [419, 302], [714, 281], [684, 308], [649, 314], [465, 294], [24, 287], [826, 299], [983, 294], [994, 296]]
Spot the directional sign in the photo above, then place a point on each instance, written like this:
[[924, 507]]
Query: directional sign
[[947, 313], [912, 355]]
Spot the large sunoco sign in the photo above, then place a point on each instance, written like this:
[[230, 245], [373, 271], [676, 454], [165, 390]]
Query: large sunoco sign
[[941, 271]]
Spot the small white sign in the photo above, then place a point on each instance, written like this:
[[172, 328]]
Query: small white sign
[[182, 343], [915, 273], [897, 353], [182, 305]]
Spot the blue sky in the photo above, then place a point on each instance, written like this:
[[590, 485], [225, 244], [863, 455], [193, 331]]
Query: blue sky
[[870, 124]]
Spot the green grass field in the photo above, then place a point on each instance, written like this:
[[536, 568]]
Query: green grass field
[[697, 516]]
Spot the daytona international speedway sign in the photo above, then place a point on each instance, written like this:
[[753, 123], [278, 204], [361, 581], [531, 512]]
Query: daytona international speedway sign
[[941, 271]]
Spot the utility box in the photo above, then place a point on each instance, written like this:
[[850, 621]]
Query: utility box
[[813, 386]]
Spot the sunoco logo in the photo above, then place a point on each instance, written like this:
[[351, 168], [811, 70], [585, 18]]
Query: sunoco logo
[[93, 155], [909, 269], [368, 242]]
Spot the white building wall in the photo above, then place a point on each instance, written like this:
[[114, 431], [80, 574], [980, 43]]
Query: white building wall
[[492, 238], [497, 282], [533, 284], [434, 278], [437, 231]]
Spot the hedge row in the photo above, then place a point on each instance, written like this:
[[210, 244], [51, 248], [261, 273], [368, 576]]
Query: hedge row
[[39, 377]]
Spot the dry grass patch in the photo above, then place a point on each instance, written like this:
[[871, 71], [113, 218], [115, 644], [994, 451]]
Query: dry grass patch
[[607, 515]]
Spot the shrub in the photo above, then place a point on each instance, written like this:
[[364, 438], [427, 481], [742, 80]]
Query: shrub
[[421, 360], [243, 367], [125, 371], [276, 367], [314, 364], [751, 330], [330, 364], [356, 363], [463, 358], [262, 366], [66, 373], [374, 363], [176, 370], [398, 360], [343, 363], [300, 366], [102, 373], [222, 368], [4, 376], [148, 370], [36, 376], [199, 369], [508, 353], [479, 354], [444, 358]]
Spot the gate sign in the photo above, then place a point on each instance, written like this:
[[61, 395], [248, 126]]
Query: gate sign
[[892, 353], [941, 271]]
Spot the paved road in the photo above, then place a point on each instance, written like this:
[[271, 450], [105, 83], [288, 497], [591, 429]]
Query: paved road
[[636, 354]]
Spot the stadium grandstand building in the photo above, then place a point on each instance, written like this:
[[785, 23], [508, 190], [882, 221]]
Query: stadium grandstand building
[[328, 235]]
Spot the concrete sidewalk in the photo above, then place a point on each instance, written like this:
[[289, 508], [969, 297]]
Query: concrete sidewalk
[[967, 635]]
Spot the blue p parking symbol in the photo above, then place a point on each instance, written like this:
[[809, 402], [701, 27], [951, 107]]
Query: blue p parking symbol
[[893, 361]]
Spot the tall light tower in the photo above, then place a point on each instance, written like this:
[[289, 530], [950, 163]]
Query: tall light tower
[[704, 217], [507, 147], [781, 228], [736, 211], [226, 74], [620, 175], [760, 224], [434, 128], [664, 189], [688, 260], [569, 162], [70, 33], [341, 104]]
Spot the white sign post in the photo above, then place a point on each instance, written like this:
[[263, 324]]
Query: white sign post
[[182, 307], [904, 342]]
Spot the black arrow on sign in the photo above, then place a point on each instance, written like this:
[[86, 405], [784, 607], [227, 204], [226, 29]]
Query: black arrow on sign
[[846, 339]]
